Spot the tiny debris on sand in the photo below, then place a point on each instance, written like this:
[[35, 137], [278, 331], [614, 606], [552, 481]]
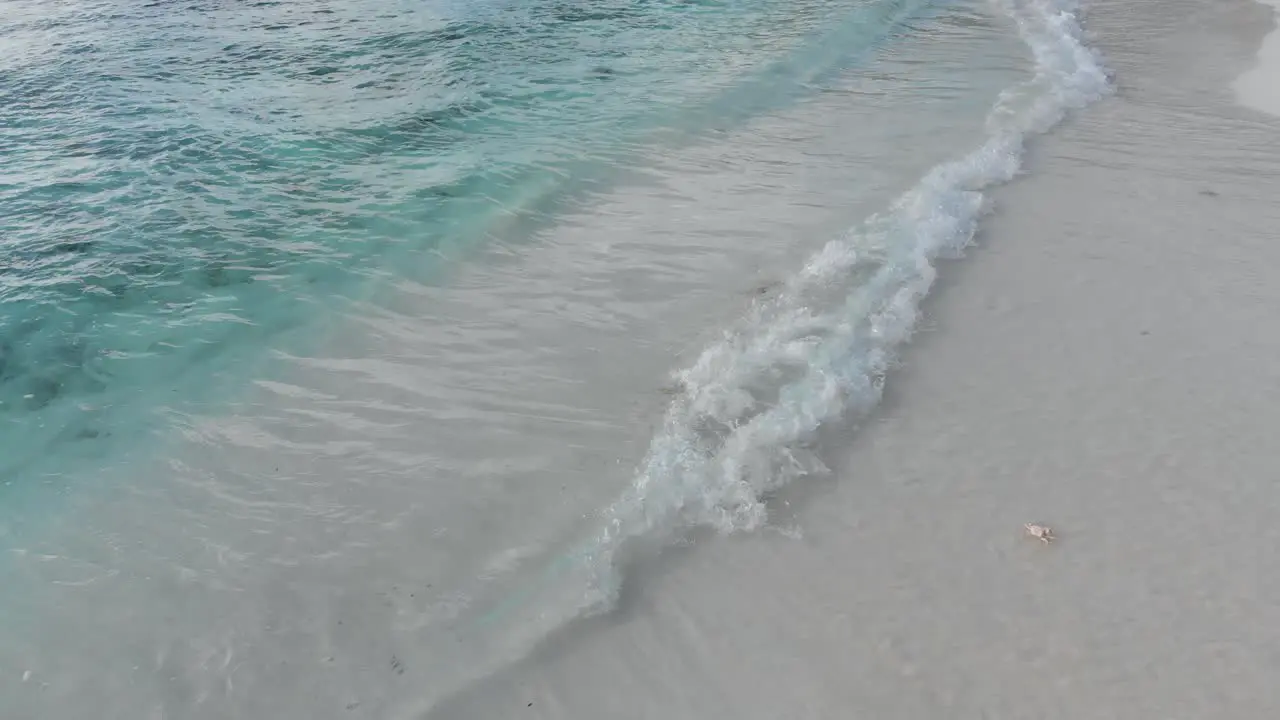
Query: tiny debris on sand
[[1043, 533]]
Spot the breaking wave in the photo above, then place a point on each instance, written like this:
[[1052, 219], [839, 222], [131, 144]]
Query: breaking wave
[[750, 405], [746, 413]]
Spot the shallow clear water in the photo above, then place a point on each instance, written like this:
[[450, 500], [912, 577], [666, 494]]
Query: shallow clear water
[[340, 339], [186, 182]]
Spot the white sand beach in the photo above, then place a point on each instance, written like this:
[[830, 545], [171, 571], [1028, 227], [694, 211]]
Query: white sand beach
[[1104, 362], [377, 533]]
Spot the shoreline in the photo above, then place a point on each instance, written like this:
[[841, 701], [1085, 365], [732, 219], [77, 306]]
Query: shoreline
[[380, 498], [1259, 87], [1099, 363]]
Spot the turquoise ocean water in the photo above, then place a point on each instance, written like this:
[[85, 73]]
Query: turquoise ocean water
[[203, 201], [185, 184]]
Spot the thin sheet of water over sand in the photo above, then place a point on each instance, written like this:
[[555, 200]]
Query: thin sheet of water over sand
[[384, 521], [1104, 362], [382, 529]]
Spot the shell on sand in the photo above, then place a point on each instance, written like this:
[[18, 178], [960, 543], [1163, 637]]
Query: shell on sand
[[1043, 533]]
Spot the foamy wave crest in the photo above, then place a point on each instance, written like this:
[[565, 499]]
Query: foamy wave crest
[[750, 406]]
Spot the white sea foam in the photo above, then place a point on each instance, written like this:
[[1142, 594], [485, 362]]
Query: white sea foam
[[821, 348], [747, 411]]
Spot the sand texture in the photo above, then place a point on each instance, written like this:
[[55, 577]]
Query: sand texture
[[1104, 361], [1259, 88]]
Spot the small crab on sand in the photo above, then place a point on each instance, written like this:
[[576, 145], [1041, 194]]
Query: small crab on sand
[[1043, 533]]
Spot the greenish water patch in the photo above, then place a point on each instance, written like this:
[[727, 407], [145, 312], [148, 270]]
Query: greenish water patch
[[187, 184]]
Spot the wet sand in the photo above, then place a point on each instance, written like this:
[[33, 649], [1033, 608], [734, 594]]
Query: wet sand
[[338, 543], [1103, 361]]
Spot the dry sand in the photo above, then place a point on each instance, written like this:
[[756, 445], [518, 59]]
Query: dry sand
[[1105, 362]]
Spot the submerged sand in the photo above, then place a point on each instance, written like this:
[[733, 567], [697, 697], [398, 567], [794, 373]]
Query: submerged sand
[[1103, 362]]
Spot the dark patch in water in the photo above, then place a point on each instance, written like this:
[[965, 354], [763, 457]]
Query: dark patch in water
[[71, 353], [218, 275], [443, 117], [767, 288], [422, 131], [575, 13], [76, 247], [41, 392]]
